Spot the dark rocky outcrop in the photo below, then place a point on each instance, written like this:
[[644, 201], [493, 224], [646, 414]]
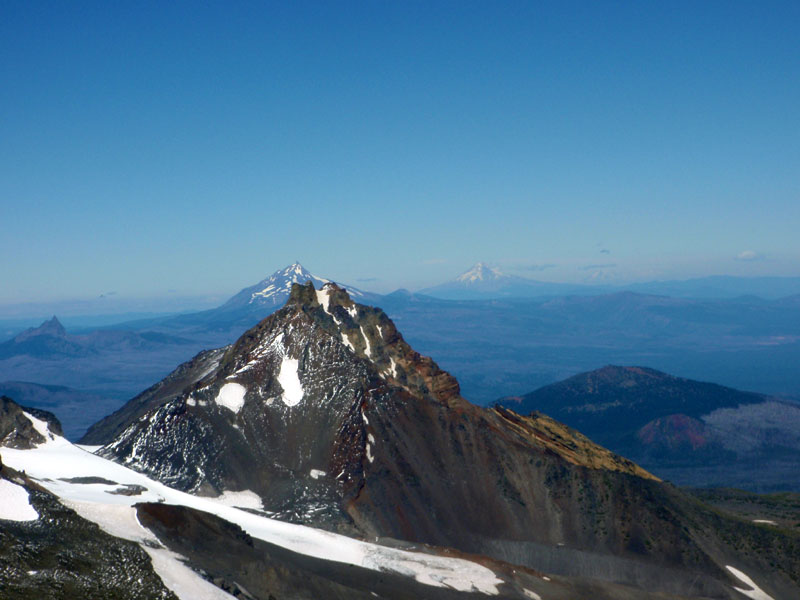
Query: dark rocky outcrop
[[17, 431], [61, 555]]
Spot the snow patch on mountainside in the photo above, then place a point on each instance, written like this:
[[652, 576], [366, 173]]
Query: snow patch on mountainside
[[231, 396], [324, 298], [15, 503], [756, 593], [40, 426], [368, 351], [290, 382], [346, 342]]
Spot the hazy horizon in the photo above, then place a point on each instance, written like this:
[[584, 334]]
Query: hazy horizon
[[112, 304]]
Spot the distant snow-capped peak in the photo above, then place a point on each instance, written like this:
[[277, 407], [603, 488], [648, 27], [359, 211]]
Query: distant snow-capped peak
[[480, 272], [280, 282], [275, 289]]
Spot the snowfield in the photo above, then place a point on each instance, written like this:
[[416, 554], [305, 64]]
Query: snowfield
[[56, 462], [290, 382], [15, 504]]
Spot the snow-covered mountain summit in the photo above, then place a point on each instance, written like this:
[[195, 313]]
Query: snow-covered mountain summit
[[480, 272], [274, 290], [483, 281]]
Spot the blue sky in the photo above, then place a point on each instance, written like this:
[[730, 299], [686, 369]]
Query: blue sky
[[188, 149]]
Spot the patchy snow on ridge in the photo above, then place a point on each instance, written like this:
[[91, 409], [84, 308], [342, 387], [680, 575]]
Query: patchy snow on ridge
[[231, 396], [756, 593], [290, 382], [51, 464], [15, 503]]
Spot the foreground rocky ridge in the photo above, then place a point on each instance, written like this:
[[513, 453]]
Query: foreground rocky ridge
[[62, 555], [325, 413]]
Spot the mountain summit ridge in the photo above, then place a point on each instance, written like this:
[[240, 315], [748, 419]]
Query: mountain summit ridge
[[480, 271], [51, 328]]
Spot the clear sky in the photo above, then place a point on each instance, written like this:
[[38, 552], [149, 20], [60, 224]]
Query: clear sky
[[193, 148]]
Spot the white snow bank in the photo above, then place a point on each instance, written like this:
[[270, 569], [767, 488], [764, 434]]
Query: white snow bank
[[49, 463], [15, 504], [323, 297], [290, 382], [316, 473], [182, 580], [242, 499], [765, 522], [756, 593], [231, 396]]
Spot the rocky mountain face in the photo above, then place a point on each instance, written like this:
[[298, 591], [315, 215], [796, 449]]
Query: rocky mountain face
[[327, 415], [17, 430], [691, 432]]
